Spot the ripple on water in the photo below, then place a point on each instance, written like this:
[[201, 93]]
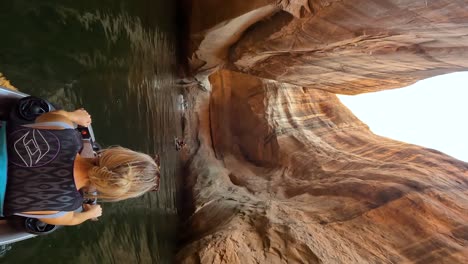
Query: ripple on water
[[123, 72]]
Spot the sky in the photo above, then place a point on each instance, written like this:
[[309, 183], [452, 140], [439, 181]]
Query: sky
[[432, 113]]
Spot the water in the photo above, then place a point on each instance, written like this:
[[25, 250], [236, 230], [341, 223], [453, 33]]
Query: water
[[115, 58]]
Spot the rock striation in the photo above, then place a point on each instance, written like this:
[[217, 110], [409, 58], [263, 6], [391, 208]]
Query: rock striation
[[283, 172], [295, 177], [357, 46], [212, 36]]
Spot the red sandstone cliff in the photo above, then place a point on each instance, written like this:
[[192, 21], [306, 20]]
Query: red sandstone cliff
[[340, 46], [358, 46], [284, 173]]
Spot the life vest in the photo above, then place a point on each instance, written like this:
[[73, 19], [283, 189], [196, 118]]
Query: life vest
[[40, 170]]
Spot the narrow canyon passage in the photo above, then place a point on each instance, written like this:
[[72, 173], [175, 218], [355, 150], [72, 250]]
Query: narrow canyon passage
[[284, 173]]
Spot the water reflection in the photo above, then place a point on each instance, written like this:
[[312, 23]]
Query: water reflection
[[118, 63]]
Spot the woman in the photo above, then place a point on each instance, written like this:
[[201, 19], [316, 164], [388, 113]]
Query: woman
[[45, 171]]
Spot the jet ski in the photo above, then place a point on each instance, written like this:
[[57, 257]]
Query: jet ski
[[18, 228]]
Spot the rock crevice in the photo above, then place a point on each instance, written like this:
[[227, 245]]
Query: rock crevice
[[286, 174]]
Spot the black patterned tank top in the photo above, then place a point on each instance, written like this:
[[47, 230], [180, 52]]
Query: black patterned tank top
[[40, 170]]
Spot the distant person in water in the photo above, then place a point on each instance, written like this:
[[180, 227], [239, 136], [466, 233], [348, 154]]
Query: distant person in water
[[45, 171]]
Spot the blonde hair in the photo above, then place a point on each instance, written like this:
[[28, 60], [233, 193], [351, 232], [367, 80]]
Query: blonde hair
[[121, 173]]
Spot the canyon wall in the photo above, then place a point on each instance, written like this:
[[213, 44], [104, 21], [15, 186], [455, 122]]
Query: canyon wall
[[357, 46], [283, 172], [340, 46], [295, 178]]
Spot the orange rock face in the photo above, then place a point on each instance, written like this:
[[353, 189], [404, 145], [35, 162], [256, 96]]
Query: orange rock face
[[357, 46], [296, 178], [284, 173]]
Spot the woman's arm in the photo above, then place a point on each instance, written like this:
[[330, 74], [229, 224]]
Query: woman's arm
[[80, 117], [75, 218]]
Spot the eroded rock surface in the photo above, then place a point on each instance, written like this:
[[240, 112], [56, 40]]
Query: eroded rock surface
[[295, 177], [346, 47], [357, 46], [284, 173], [216, 25]]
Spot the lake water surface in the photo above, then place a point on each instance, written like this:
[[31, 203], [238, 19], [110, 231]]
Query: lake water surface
[[115, 58]]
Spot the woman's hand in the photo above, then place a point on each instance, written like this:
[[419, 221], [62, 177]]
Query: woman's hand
[[80, 117], [92, 210]]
